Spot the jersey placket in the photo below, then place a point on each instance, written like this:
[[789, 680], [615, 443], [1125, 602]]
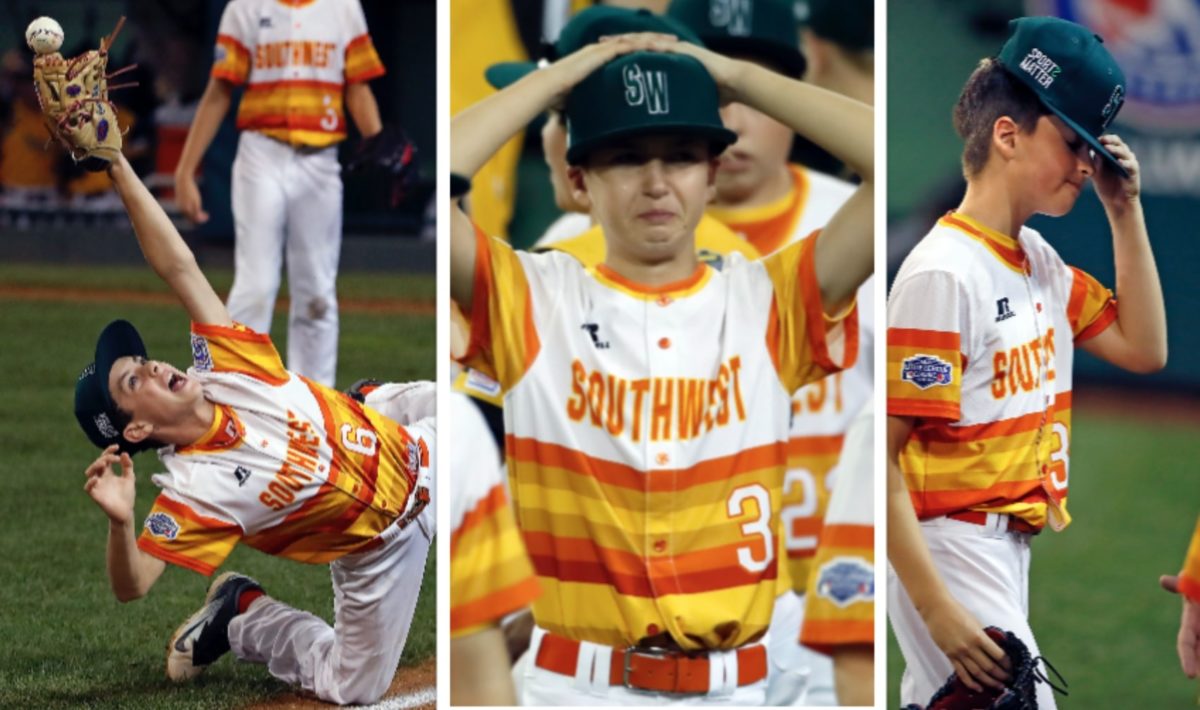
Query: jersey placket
[[1038, 307], [665, 355]]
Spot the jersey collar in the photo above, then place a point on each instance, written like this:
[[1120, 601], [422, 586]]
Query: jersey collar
[[1005, 248], [676, 289], [225, 432]]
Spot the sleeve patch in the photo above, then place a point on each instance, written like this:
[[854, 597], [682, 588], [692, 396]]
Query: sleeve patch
[[925, 371], [845, 581], [201, 357], [162, 525]]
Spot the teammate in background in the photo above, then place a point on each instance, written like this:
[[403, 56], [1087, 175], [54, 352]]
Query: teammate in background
[[1187, 585], [661, 572], [303, 65], [259, 455], [771, 204], [838, 37], [839, 619], [983, 321], [490, 574]]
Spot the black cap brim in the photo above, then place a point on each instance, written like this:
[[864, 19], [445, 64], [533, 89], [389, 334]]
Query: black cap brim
[[720, 138], [1092, 141], [118, 339]]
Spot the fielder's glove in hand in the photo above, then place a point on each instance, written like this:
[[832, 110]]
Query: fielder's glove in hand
[[391, 154], [73, 94], [1019, 693]]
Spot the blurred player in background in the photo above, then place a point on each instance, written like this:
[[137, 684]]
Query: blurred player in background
[[1187, 585], [838, 37], [839, 614], [304, 66], [490, 574]]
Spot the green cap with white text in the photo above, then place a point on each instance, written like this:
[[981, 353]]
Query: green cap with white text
[[1067, 66], [764, 30], [642, 93]]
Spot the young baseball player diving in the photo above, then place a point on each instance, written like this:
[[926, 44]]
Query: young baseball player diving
[[983, 321], [647, 397], [260, 455]]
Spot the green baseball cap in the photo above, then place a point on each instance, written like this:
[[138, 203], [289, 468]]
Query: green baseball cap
[[587, 27], [1070, 71], [849, 23], [759, 29], [644, 92], [94, 406]]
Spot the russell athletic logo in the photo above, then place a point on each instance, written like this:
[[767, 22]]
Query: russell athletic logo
[[1043, 69], [646, 88], [733, 15], [593, 329], [1003, 312], [926, 371]]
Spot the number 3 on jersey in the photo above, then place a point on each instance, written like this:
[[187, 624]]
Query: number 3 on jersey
[[359, 439], [760, 527]]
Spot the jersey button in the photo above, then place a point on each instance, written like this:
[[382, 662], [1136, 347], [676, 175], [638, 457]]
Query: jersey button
[[664, 300], [662, 459], [652, 629], [664, 343], [660, 545]]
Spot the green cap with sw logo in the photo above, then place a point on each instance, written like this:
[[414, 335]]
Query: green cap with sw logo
[[764, 30], [640, 93], [1071, 72]]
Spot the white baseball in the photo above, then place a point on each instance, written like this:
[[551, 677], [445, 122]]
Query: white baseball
[[44, 35]]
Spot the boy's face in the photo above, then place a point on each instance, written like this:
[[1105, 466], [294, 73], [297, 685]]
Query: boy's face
[[760, 153], [554, 147], [151, 391], [649, 192], [1055, 163]]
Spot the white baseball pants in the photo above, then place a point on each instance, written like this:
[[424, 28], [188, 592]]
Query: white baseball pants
[[288, 202], [986, 569], [797, 675], [590, 685], [374, 597]]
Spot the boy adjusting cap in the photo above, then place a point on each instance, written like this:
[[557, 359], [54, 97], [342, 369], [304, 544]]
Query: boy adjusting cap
[[641, 93], [1067, 66], [587, 27]]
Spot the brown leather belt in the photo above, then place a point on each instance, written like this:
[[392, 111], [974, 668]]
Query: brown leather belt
[[651, 669], [979, 517]]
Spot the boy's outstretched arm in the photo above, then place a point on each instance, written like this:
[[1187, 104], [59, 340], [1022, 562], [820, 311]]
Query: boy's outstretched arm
[[1137, 340], [165, 250]]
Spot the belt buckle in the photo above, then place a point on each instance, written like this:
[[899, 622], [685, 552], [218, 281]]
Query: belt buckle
[[627, 669]]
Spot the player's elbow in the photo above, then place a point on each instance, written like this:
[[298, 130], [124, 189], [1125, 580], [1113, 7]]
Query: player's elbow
[[1147, 362]]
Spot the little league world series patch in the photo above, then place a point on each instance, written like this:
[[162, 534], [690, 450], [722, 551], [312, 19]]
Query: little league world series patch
[[200, 355], [926, 371], [162, 525], [845, 581]]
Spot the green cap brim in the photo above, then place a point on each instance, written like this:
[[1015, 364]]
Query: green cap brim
[[721, 138], [1091, 141], [508, 73]]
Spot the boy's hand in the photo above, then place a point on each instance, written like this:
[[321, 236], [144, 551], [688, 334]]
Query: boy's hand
[[575, 67], [724, 71], [113, 493], [1187, 643], [1115, 190], [976, 658]]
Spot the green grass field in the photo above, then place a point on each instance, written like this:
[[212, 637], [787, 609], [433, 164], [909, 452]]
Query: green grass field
[[64, 640], [1095, 604]]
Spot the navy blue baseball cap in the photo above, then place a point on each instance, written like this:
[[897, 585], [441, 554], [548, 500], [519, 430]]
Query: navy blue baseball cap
[[94, 406], [1067, 66]]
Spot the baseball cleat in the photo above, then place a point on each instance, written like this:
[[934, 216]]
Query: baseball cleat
[[204, 637]]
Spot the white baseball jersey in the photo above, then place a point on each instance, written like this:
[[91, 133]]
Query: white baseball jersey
[[288, 467], [294, 57], [981, 337], [646, 434]]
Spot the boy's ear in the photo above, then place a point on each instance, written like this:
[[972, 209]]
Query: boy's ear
[[579, 187], [136, 432], [1004, 136]]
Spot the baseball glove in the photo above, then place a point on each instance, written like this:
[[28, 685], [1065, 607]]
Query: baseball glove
[[391, 154], [73, 94], [1019, 693]]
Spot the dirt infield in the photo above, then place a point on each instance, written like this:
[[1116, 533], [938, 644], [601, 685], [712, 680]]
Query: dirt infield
[[86, 295], [412, 688]]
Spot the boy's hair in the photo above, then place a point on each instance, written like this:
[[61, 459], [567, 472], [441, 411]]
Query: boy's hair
[[121, 419], [991, 92]]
